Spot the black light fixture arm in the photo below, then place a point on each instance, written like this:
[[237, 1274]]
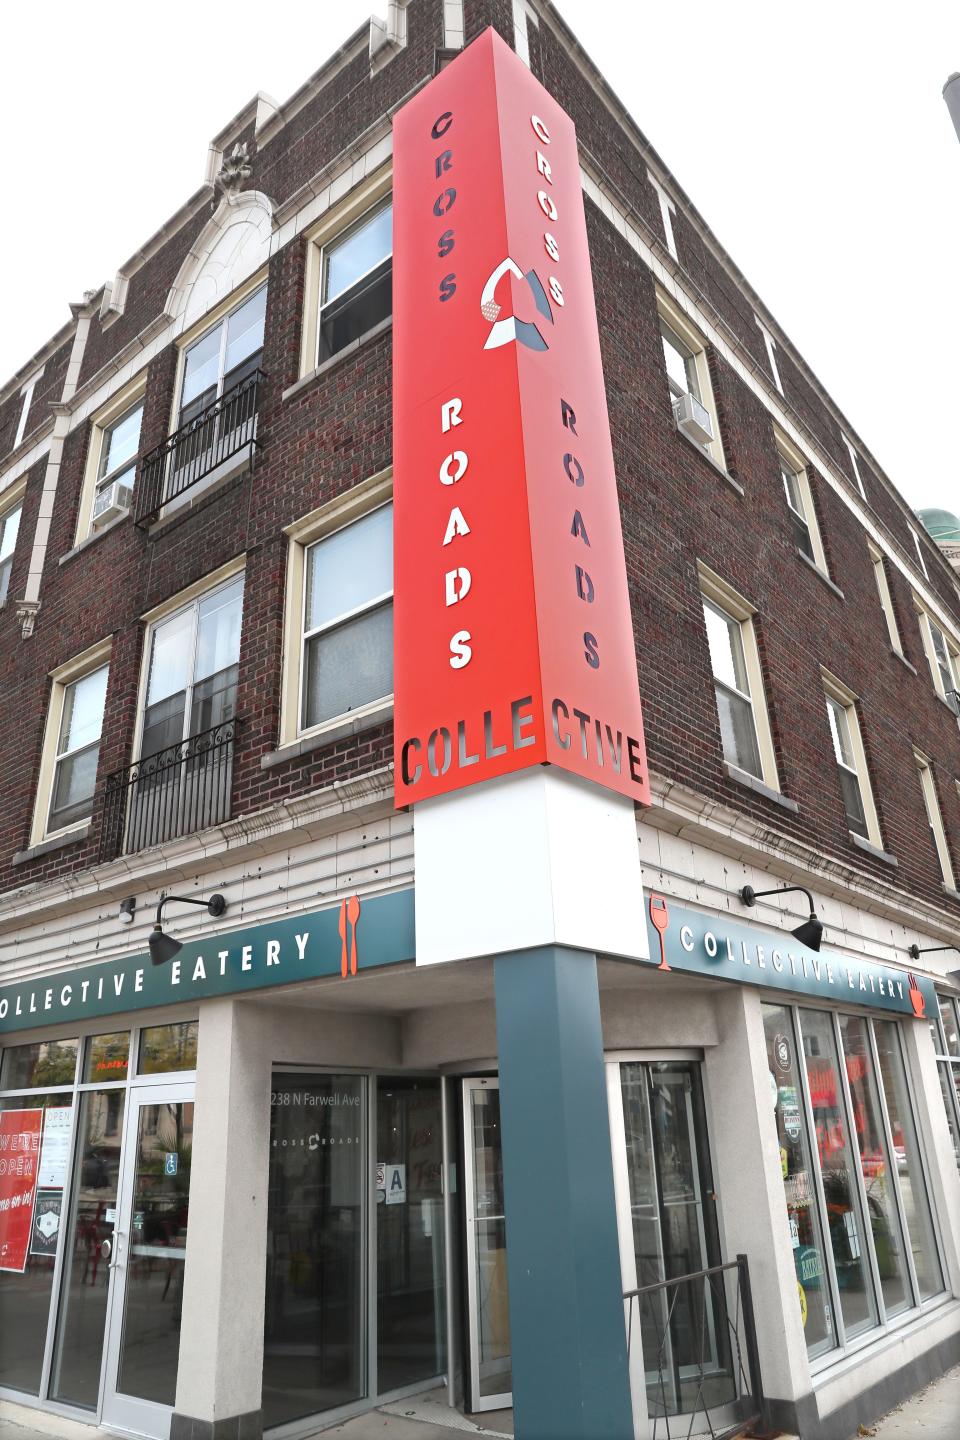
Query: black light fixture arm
[[215, 906], [749, 896], [915, 952]]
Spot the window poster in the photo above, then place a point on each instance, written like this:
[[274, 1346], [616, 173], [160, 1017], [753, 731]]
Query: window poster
[[19, 1156], [55, 1150], [45, 1231]]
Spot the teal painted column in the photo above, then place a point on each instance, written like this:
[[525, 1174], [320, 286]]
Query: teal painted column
[[570, 1379]]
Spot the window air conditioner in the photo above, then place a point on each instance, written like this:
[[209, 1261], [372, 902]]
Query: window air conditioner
[[693, 419], [112, 500]]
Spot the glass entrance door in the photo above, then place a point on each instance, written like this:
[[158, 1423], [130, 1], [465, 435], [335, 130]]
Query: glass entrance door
[[488, 1319], [147, 1256]]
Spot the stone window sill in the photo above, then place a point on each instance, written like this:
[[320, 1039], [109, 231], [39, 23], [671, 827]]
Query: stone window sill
[[946, 704], [750, 782], [321, 738], [312, 376], [903, 661], [93, 537], [874, 850], [821, 575], [724, 475], [949, 890], [47, 847]]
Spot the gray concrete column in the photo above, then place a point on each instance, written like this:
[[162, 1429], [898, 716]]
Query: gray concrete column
[[221, 1342], [746, 1160]]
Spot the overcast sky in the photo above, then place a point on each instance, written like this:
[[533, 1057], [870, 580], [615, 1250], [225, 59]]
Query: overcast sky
[[812, 137]]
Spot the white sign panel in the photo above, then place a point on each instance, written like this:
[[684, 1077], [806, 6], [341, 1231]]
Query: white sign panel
[[395, 1184], [55, 1152]]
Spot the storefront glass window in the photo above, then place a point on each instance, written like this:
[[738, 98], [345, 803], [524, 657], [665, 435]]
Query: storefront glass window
[[946, 1042], [844, 1220], [106, 1057], [875, 1165], [166, 1048], [315, 1325], [33, 1067], [410, 1277], [36, 1129], [799, 1181], [86, 1277], [906, 1149]]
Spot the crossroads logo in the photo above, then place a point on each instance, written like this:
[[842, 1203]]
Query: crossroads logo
[[524, 332]]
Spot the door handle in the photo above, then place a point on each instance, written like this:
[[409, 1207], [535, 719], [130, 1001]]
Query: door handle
[[113, 1263]]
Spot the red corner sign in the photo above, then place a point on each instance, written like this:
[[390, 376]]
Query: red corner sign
[[513, 638]]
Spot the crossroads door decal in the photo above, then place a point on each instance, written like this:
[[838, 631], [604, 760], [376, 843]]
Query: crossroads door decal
[[513, 638]]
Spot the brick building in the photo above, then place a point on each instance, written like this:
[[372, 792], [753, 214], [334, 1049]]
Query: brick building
[[261, 1184]]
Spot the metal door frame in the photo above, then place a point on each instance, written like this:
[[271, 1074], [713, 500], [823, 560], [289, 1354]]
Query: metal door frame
[[127, 1412], [503, 1400]]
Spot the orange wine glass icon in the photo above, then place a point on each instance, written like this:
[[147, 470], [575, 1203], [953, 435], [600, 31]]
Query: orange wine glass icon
[[660, 919]]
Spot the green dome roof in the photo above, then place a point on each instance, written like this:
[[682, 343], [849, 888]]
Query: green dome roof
[[943, 526]]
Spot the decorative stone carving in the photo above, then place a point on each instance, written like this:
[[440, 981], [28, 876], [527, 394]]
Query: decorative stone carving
[[235, 169], [27, 616]]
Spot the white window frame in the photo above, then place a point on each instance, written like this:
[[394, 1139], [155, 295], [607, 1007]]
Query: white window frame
[[118, 408], [929, 630], [26, 393], [845, 698], [919, 549], [667, 211], [321, 523], [183, 600], [365, 197], [886, 598], [854, 464], [674, 319], [61, 678], [771, 345], [331, 244], [193, 336], [931, 804], [10, 502], [724, 598], [791, 460]]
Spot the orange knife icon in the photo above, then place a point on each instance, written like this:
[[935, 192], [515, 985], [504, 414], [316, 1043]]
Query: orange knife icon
[[343, 938]]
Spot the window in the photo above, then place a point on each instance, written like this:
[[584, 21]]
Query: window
[[861, 1224], [943, 658], [744, 726], [356, 290], [194, 661], [222, 358], [685, 357], [9, 526], [854, 465], [27, 394], [945, 1032], [78, 750], [667, 211], [935, 820], [851, 761], [803, 516], [771, 348], [71, 744], [919, 549], [347, 657], [886, 599]]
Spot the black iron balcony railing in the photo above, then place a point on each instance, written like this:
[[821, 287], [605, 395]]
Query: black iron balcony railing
[[183, 788], [697, 1352], [223, 430]]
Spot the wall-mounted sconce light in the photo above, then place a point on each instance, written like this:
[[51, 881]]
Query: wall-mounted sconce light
[[128, 910], [915, 951], [810, 933], [164, 947]]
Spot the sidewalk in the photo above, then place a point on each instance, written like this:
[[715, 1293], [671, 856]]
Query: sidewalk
[[932, 1414]]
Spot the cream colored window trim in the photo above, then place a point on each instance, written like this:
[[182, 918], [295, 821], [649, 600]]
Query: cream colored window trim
[[75, 669], [715, 589], [845, 697], [199, 587], [691, 337], [373, 492], [339, 218], [124, 399], [797, 465], [886, 599], [953, 652], [209, 321], [931, 804]]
